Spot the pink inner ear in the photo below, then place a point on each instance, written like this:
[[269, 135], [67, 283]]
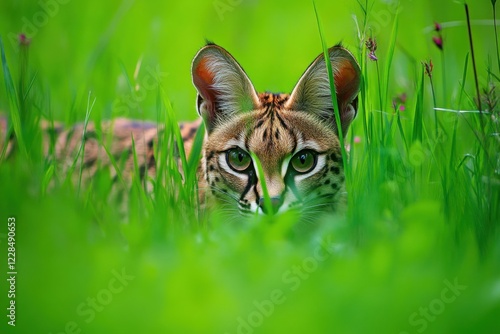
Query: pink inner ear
[[203, 79], [346, 80]]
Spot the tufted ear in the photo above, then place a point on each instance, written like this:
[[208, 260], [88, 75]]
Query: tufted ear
[[312, 93], [223, 87]]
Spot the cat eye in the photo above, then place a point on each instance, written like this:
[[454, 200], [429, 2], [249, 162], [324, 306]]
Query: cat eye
[[304, 161], [238, 159]]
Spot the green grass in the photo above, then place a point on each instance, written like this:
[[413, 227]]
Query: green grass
[[423, 204]]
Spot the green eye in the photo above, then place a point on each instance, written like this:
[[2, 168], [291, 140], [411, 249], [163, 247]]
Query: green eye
[[304, 161], [238, 159]]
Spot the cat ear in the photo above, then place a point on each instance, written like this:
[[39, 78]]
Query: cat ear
[[223, 87], [312, 93]]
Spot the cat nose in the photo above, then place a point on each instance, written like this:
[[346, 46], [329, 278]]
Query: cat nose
[[276, 202]]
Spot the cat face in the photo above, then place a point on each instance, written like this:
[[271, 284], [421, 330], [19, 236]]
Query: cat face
[[293, 137]]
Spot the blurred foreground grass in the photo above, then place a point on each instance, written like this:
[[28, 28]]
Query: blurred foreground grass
[[419, 250]]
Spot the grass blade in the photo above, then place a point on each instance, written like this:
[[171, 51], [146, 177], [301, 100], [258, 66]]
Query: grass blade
[[195, 154], [15, 116], [390, 55], [262, 179], [194, 159], [139, 181], [418, 119], [493, 4], [82, 146], [333, 91], [49, 173], [471, 43]]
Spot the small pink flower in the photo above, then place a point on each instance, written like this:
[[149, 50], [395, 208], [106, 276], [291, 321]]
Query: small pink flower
[[357, 139], [438, 41], [23, 40]]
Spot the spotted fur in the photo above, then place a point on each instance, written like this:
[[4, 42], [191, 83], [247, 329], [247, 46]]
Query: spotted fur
[[275, 128], [111, 141]]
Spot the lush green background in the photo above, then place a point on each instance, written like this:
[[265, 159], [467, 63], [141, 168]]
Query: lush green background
[[424, 208]]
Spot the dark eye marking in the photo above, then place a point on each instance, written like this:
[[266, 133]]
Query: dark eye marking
[[252, 180]]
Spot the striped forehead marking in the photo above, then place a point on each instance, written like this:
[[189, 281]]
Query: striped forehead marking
[[273, 101], [272, 105]]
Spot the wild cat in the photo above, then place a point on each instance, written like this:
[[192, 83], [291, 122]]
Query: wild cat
[[294, 137]]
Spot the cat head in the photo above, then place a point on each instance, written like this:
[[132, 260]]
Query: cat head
[[294, 136]]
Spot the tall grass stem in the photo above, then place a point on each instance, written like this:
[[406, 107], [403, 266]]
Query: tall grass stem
[[471, 42], [494, 3], [333, 91]]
